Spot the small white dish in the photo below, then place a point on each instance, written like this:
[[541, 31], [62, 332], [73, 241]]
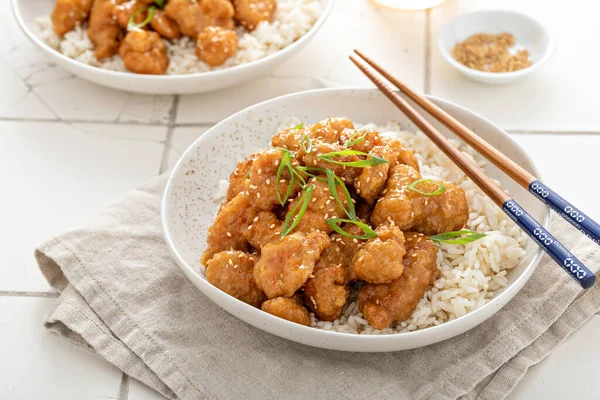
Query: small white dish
[[27, 11], [529, 33], [188, 208]]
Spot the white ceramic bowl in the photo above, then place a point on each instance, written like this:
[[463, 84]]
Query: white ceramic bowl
[[528, 33], [188, 209], [26, 12]]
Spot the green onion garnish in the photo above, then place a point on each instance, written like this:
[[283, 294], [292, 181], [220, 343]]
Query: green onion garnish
[[332, 181], [308, 148], [369, 233], [352, 141], [298, 127], [285, 163], [369, 162], [132, 26], [249, 172], [292, 221], [441, 188], [160, 3], [449, 237]]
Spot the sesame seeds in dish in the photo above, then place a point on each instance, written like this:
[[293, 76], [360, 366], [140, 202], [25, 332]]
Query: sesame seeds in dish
[[358, 229]]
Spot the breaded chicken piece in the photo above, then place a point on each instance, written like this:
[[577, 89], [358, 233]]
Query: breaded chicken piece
[[67, 14], [217, 13], [289, 138], [262, 187], [286, 264], [238, 179], [372, 179], [265, 228], [411, 210], [328, 131], [231, 271], [215, 45], [360, 140], [384, 304], [288, 308], [326, 292], [226, 232], [403, 156], [346, 174], [185, 13], [123, 12], [380, 259], [322, 206], [144, 52], [165, 26], [249, 13], [104, 30]]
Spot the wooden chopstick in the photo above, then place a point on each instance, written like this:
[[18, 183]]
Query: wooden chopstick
[[542, 192], [575, 268]]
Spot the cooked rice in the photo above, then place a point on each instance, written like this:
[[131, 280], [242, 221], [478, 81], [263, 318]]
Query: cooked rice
[[470, 275], [291, 20]]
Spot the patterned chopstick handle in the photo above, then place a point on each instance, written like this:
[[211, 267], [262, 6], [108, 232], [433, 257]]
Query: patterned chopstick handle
[[566, 210], [550, 245]]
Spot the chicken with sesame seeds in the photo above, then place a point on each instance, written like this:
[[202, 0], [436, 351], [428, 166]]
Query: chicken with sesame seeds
[[124, 11], [321, 206], [265, 228], [144, 52], [263, 186], [250, 13], [67, 14], [165, 26], [104, 30], [238, 180], [312, 159], [286, 264], [380, 259], [232, 272], [409, 209], [383, 304], [226, 232], [215, 45], [289, 308]]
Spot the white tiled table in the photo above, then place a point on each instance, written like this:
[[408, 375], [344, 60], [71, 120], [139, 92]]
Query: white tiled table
[[68, 148]]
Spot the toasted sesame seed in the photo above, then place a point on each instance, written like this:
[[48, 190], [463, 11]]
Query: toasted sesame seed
[[230, 262], [358, 191], [381, 174], [282, 181], [268, 181], [228, 234], [276, 162], [361, 258], [368, 179], [253, 187], [249, 227], [326, 215], [315, 162], [328, 201], [235, 266], [258, 195], [255, 218], [358, 184], [271, 226], [337, 249], [322, 207], [313, 199], [259, 171], [241, 255], [354, 240]]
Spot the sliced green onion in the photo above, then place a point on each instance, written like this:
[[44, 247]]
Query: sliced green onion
[[441, 188], [351, 141], [132, 26], [308, 140], [453, 237], [249, 172], [333, 223], [305, 170], [285, 163], [298, 127], [291, 221], [369, 162], [332, 181], [160, 3]]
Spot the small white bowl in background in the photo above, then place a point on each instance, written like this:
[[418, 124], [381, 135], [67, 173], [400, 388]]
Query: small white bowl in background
[[529, 34], [27, 11]]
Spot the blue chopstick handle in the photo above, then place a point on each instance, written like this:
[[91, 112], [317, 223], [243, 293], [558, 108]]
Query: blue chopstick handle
[[550, 245], [566, 210]]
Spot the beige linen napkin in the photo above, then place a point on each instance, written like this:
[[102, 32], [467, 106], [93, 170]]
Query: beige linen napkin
[[123, 297]]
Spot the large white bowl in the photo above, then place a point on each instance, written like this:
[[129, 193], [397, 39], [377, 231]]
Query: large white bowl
[[528, 32], [188, 209], [26, 12]]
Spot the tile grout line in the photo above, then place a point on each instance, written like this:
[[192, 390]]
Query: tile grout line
[[170, 131], [427, 72], [123, 393], [16, 293]]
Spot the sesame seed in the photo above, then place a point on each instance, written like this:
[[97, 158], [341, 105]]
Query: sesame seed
[[326, 216], [358, 184], [322, 207], [253, 187], [258, 195], [228, 234], [313, 199], [328, 201], [235, 266], [315, 162], [354, 240], [255, 219], [331, 198], [241, 255], [249, 227], [381, 174], [368, 179], [361, 258], [358, 191], [276, 162], [337, 249], [271, 226], [230, 262], [259, 171], [343, 179], [377, 301], [268, 181], [282, 181]]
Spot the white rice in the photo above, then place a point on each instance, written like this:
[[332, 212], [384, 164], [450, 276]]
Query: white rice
[[291, 20], [470, 275]]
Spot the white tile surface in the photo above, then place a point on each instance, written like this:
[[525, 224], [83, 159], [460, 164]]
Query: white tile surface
[[55, 174], [559, 96], [36, 364], [182, 138], [571, 372], [33, 88], [397, 40]]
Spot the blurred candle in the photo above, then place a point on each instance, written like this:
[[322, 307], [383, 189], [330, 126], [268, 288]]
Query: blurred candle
[[407, 5]]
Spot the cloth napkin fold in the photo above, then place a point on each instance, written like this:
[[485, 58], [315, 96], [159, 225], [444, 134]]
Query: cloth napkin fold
[[123, 297]]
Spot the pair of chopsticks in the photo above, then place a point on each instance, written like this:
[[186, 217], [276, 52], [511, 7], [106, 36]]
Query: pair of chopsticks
[[534, 229]]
